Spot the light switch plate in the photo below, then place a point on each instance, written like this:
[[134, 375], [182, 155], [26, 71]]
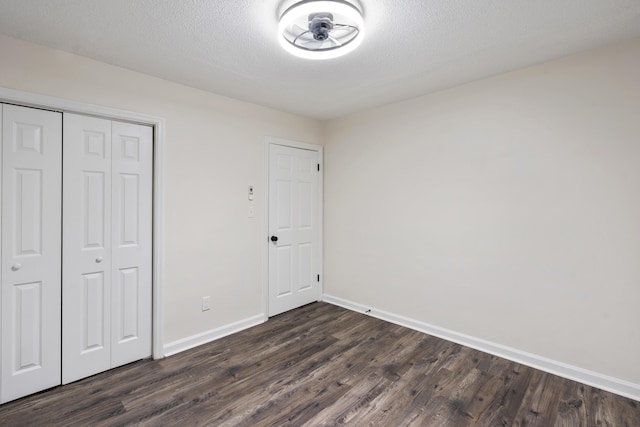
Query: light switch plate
[[206, 303], [251, 212]]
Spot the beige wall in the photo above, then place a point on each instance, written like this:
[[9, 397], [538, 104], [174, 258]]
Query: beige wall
[[507, 209], [214, 149]]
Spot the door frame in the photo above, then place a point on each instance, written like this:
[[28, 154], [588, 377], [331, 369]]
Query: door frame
[[28, 99], [270, 140]]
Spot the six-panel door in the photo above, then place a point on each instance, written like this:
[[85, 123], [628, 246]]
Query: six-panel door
[[31, 221], [293, 220]]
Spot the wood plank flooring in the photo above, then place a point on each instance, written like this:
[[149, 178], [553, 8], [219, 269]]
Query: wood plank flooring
[[321, 365]]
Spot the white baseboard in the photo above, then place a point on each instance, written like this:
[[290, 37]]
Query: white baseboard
[[212, 335], [604, 382]]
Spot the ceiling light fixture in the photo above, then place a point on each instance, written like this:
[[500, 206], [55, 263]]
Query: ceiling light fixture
[[321, 29]]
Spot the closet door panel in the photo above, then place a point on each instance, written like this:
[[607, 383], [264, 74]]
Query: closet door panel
[[86, 265], [132, 233], [31, 217]]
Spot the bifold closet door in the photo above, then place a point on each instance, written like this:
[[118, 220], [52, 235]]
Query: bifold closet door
[[86, 247], [107, 225], [31, 218], [132, 181]]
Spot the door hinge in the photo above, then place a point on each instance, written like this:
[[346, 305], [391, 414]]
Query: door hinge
[[318, 278], [318, 167]]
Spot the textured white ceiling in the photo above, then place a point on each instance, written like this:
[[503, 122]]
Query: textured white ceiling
[[412, 47]]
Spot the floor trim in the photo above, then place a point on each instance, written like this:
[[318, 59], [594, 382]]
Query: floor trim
[[594, 379], [187, 343]]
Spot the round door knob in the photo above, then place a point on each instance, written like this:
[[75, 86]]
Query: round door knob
[[274, 238], [99, 259], [16, 267]]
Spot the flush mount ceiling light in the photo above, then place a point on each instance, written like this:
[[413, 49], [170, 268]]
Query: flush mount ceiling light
[[315, 29]]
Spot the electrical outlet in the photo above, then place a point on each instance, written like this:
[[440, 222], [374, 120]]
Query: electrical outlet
[[205, 303]]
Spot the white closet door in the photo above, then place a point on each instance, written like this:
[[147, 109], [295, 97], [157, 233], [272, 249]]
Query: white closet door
[[106, 245], [131, 243], [86, 268], [31, 189]]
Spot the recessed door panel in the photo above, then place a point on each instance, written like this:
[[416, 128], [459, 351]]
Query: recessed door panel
[[31, 217], [129, 288], [93, 213], [129, 212], [305, 204], [284, 263], [27, 300], [283, 200], [86, 260], [130, 147], [93, 307], [305, 265], [95, 143], [293, 263], [283, 162], [28, 215], [27, 137], [305, 165]]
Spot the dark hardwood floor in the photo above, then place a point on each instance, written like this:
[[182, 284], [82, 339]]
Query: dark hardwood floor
[[321, 365]]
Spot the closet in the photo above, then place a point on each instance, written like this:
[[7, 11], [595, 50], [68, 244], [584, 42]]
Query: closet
[[76, 247]]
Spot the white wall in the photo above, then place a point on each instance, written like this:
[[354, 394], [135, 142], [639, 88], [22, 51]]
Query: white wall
[[214, 149], [507, 209]]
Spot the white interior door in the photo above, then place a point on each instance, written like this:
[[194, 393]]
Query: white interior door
[[86, 269], [107, 245], [293, 228], [31, 221], [131, 243]]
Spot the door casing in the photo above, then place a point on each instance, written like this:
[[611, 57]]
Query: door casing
[[28, 99], [269, 140]]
